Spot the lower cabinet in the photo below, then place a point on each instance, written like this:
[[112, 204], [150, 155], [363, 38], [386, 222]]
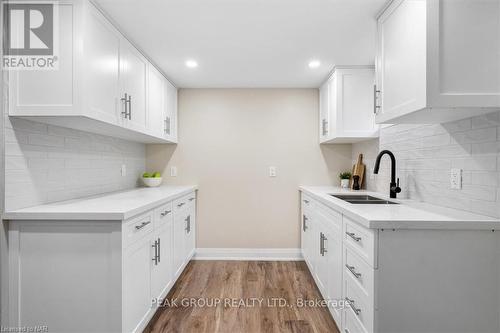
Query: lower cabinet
[[157, 259], [322, 250], [63, 272], [401, 280]]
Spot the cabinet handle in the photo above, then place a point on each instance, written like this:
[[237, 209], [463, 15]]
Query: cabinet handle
[[180, 205], [191, 199], [125, 100], [130, 107], [375, 97], [142, 225], [306, 201], [159, 249], [155, 259], [321, 243], [352, 269], [353, 236], [324, 127], [167, 125], [351, 303], [165, 213], [304, 220], [188, 224], [346, 330], [323, 237]]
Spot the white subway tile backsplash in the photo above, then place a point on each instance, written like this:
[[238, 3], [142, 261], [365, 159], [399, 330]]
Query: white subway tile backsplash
[[426, 153], [47, 163]]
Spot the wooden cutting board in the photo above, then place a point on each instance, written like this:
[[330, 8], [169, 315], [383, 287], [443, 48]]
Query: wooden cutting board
[[358, 169]]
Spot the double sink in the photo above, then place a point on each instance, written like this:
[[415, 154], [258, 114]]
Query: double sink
[[363, 199]]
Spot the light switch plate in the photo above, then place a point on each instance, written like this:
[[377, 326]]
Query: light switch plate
[[173, 171], [272, 171], [123, 170], [456, 179]]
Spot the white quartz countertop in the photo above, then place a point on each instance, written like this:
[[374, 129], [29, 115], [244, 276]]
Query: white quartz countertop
[[408, 214], [111, 206]]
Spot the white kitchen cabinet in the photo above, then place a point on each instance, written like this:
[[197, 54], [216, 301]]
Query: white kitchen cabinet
[[170, 116], [437, 61], [402, 279], [156, 101], [161, 270], [347, 106], [97, 67], [118, 270], [101, 78], [133, 70], [137, 283]]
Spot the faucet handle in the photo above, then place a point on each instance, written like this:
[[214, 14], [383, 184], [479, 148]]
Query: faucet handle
[[397, 189]]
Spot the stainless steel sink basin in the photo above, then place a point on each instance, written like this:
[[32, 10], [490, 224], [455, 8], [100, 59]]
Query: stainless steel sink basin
[[363, 199]]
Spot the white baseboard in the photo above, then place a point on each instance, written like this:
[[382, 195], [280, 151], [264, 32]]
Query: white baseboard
[[292, 254]]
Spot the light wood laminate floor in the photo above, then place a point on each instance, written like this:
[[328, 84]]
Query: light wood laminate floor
[[251, 296]]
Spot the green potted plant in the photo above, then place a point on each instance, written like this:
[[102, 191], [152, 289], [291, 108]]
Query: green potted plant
[[344, 179]]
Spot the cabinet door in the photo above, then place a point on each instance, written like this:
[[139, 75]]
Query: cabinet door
[[161, 272], [133, 69], [324, 111], [189, 234], [51, 92], [137, 283], [170, 111], [322, 259], [102, 48], [179, 241], [333, 246], [401, 67], [156, 102]]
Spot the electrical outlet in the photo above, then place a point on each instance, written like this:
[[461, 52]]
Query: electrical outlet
[[173, 171], [456, 179], [272, 171], [123, 170]]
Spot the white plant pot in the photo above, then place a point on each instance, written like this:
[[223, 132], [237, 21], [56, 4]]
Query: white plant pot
[[344, 183]]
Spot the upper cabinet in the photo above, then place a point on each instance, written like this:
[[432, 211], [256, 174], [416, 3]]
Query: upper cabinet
[[437, 60], [103, 84], [347, 106]]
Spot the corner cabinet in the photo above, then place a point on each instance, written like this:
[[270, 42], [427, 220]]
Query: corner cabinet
[[118, 271], [437, 60], [102, 84], [347, 106]]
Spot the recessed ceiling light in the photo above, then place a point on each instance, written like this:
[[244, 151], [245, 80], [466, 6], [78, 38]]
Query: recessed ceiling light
[[191, 64], [314, 64]]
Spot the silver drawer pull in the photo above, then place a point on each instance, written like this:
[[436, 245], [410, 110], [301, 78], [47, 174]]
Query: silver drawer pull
[[180, 205], [353, 236], [191, 199], [165, 213], [351, 304], [352, 269], [346, 330], [142, 225]]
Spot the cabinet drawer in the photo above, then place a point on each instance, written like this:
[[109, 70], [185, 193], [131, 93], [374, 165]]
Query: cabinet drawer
[[181, 203], [361, 240], [360, 306], [306, 201], [333, 219], [360, 271], [191, 201], [163, 215], [138, 227], [351, 323]]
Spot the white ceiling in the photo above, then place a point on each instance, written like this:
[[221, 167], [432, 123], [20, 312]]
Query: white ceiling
[[249, 43]]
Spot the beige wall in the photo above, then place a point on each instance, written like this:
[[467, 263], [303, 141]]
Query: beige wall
[[228, 138]]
